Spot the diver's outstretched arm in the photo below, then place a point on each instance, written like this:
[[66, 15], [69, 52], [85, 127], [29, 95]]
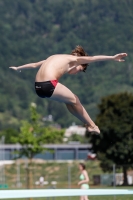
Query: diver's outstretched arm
[[27, 66], [88, 59]]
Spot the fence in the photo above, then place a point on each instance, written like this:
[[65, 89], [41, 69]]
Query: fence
[[59, 175]]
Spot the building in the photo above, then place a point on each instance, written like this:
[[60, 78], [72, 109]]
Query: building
[[75, 129], [72, 151]]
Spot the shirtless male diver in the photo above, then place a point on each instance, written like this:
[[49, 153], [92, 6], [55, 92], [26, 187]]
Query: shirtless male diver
[[50, 71]]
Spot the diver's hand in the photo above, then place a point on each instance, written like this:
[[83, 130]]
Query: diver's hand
[[119, 57], [15, 68]]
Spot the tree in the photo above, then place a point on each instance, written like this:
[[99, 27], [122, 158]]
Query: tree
[[115, 144], [8, 134], [32, 136], [77, 138]]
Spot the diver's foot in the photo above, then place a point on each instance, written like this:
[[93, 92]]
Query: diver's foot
[[93, 129]]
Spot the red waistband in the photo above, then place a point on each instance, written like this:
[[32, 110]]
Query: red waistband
[[54, 82]]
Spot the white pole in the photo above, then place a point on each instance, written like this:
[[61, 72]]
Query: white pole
[[3, 158], [69, 179], [1, 179], [18, 169], [114, 180], [69, 176]]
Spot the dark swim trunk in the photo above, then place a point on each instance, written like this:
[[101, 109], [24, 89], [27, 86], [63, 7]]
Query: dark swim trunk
[[45, 89]]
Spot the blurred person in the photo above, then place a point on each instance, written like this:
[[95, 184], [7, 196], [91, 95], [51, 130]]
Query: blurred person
[[41, 180], [84, 179], [54, 67]]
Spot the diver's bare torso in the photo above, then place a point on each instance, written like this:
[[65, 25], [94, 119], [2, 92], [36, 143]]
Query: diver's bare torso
[[54, 67]]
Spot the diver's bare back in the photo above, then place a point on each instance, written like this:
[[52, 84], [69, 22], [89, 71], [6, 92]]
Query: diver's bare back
[[54, 67]]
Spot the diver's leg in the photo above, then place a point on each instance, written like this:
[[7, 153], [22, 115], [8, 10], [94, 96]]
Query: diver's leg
[[63, 94]]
